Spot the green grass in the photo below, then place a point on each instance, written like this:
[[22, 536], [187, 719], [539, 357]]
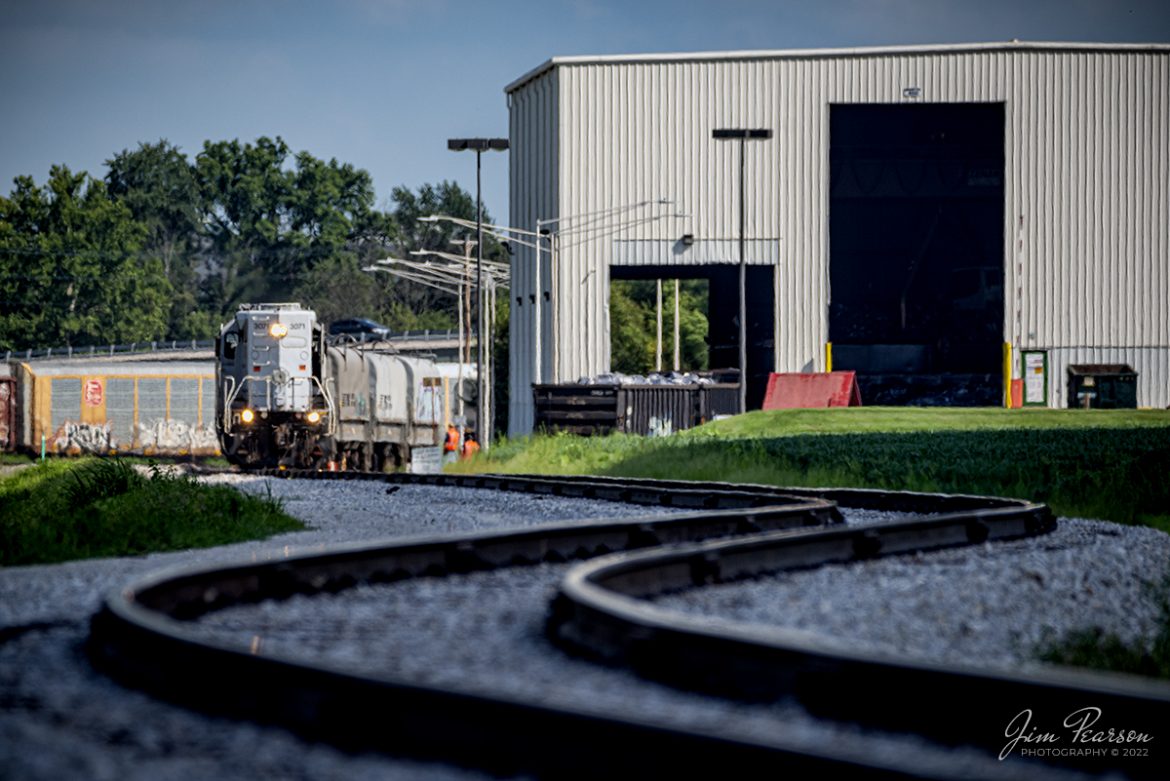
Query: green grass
[[860, 420], [1099, 463], [63, 510]]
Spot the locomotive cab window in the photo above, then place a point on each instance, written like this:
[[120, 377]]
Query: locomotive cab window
[[230, 342]]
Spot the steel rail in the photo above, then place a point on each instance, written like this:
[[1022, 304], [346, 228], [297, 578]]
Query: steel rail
[[143, 636], [603, 610]]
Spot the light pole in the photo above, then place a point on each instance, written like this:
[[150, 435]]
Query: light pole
[[482, 407], [742, 134], [592, 225]]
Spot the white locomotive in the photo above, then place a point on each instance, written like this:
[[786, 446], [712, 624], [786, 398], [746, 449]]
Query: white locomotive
[[287, 398]]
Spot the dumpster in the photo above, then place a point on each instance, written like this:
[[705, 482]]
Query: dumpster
[[632, 409], [1102, 386]]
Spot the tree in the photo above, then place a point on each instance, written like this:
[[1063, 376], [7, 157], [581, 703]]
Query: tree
[[337, 288], [244, 222], [269, 224], [631, 330], [157, 183], [633, 325], [71, 267], [448, 199]]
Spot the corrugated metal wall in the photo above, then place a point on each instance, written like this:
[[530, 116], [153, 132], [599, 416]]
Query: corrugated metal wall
[[1087, 185], [1151, 364], [533, 183]]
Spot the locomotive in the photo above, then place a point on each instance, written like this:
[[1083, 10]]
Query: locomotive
[[287, 397]]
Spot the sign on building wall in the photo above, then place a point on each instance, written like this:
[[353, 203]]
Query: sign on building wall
[[1035, 377]]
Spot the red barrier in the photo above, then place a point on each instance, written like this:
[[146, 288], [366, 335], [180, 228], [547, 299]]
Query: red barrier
[[1017, 397], [794, 391]]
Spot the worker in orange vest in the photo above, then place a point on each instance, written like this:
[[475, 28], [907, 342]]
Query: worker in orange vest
[[451, 444], [470, 447]]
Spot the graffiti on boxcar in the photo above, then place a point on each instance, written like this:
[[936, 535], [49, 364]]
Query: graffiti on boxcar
[[84, 438], [7, 412], [176, 435]]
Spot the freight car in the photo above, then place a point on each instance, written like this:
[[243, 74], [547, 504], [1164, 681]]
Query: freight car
[[285, 397], [109, 405]]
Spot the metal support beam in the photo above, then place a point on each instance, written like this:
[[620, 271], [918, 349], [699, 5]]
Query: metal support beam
[[742, 135]]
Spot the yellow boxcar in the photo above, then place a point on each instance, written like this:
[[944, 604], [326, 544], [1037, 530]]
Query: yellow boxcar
[[140, 407]]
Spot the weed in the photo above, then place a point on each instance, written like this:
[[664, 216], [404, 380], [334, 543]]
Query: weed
[[83, 509]]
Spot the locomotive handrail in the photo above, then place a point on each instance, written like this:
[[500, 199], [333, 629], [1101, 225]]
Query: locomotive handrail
[[232, 389], [229, 397], [331, 408]]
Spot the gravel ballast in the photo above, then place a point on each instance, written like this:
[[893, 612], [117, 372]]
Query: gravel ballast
[[59, 719], [479, 632], [995, 603]]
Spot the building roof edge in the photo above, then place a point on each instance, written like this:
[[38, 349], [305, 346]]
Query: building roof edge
[[860, 51]]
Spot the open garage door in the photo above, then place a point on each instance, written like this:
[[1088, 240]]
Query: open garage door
[[916, 251], [721, 313]]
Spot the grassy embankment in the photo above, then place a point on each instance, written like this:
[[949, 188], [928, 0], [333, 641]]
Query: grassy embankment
[[1110, 464], [1098, 464], [77, 509]]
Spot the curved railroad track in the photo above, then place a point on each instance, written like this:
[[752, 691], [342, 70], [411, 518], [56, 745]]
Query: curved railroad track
[[144, 637]]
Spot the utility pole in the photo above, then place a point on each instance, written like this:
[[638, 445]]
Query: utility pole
[[483, 411]]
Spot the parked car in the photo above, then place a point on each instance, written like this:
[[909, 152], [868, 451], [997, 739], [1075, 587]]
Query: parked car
[[360, 328]]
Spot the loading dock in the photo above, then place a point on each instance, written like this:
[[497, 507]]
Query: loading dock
[[916, 251]]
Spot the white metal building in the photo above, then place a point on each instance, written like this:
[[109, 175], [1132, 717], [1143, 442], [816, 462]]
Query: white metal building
[[1034, 173]]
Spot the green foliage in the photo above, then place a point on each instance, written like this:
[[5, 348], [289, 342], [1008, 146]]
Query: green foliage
[[411, 305], [500, 351], [97, 480], [71, 270], [269, 223], [64, 510], [632, 330], [400, 317], [633, 325], [855, 420], [337, 288], [168, 247], [157, 184]]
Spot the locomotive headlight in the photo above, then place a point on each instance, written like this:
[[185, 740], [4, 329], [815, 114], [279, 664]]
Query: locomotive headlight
[[313, 416], [247, 416], [278, 330]]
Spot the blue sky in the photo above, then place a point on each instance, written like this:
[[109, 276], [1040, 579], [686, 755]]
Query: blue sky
[[382, 84]]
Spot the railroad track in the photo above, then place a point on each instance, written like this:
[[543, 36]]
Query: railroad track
[[144, 634]]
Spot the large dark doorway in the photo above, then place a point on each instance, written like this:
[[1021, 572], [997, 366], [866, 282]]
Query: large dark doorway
[[916, 242], [722, 312]]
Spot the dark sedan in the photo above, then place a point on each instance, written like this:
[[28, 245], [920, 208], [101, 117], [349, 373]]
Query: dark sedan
[[359, 328]]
